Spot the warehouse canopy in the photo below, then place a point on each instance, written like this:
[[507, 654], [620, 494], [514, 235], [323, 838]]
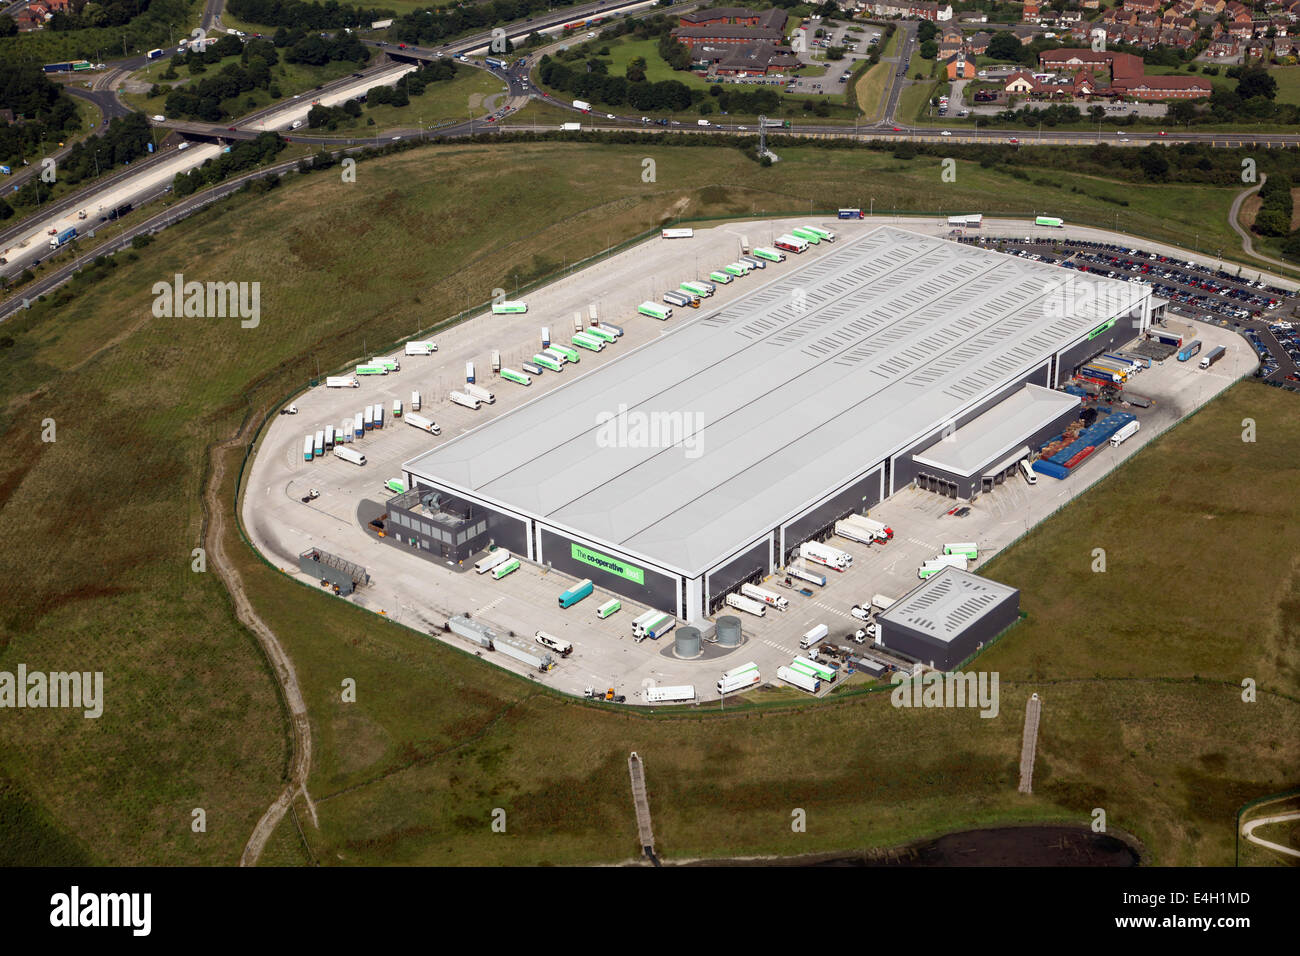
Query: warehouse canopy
[[970, 449]]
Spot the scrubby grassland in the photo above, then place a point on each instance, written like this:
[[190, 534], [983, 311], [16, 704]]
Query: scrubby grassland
[[100, 524]]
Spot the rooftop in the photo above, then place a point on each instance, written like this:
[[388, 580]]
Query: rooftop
[[999, 430], [947, 604], [777, 398]]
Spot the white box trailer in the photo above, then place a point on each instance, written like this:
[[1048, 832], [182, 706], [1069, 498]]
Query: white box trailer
[[854, 532], [499, 556], [379, 416], [745, 604], [368, 418], [343, 433], [818, 633], [880, 602], [320, 443], [1125, 433], [639, 624], [826, 555], [415, 401], [481, 393], [342, 381], [308, 449], [881, 530], [358, 425], [803, 574], [811, 684], [740, 678], [329, 437], [460, 398], [670, 695], [763, 596], [424, 424], [421, 348], [347, 454]]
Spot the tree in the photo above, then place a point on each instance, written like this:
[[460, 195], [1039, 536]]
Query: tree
[[929, 50], [928, 31], [1004, 45], [1256, 81], [8, 28], [1181, 111], [1154, 165]]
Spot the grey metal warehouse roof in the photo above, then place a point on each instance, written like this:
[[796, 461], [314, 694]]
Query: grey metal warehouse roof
[[801, 384], [997, 431], [947, 604]]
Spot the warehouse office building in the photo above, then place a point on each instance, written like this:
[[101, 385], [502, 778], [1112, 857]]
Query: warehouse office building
[[948, 618], [806, 399]]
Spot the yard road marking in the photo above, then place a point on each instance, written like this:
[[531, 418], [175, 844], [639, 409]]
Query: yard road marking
[[490, 605]]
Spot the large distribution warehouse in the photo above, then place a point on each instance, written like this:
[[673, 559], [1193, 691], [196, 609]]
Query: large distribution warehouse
[[704, 458]]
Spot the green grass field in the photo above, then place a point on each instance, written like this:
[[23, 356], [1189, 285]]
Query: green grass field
[[1288, 83], [450, 101], [871, 84], [624, 50], [1143, 711]]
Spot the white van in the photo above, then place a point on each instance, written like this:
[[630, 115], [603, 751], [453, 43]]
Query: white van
[[1028, 472]]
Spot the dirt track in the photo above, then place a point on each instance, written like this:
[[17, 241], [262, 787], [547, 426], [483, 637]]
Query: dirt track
[[214, 543]]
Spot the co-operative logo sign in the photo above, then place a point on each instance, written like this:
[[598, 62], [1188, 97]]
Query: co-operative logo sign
[[606, 563]]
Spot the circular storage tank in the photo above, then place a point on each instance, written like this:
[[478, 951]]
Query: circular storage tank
[[687, 642], [728, 631]]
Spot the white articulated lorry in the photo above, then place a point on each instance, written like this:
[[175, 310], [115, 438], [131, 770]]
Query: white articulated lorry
[[804, 682], [746, 605], [342, 381], [824, 554], [770, 598], [424, 424], [880, 530], [854, 532]]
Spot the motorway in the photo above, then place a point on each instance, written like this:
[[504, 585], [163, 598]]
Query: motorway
[[107, 193]]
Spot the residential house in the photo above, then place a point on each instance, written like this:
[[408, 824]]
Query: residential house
[[936, 12]]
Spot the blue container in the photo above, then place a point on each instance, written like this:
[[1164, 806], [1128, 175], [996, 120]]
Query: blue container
[[576, 593], [1051, 469]]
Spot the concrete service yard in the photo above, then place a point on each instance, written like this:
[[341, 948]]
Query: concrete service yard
[[410, 588]]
